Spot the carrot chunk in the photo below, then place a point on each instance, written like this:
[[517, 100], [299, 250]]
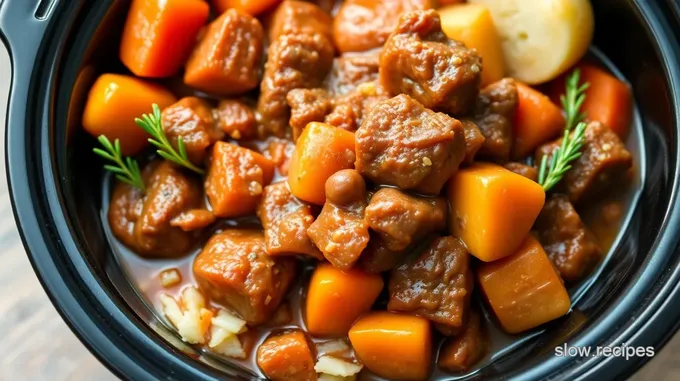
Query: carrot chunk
[[320, 151], [236, 179], [251, 7], [537, 120], [336, 298], [608, 99], [524, 289], [397, 347], [113, 104], [493, 209], [159, 35], [287, 357]]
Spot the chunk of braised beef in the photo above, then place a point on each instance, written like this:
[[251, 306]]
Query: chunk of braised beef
[[340, 231], [192, 120], [300, 17], [287, 357], [351, 70], [604, 163], [234, 269], [295, 61], [402, 143], [378, 258], [401, 219], [493, 115], [473, 140], [285, 220], [349, 110], [306, 106], [144, 222], [460, 353], [419, 60], [527, 171], [362, 25], [436, 285], [227, 60], [571, 246], [236, 119]]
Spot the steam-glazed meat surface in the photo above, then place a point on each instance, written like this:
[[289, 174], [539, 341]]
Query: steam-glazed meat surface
[[420, 61], [402, 143]]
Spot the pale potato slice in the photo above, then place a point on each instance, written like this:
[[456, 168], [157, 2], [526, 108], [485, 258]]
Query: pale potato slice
[[541, 38]]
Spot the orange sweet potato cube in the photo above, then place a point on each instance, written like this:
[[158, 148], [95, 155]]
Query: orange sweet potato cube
[[492, 209], [524, 289]]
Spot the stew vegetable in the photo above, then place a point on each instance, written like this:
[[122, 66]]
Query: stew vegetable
[[349, 188]]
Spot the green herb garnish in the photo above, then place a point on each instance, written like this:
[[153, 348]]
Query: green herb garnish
[[551, 174], [126, 168], [151, 123], [569, 151], [573, 99]]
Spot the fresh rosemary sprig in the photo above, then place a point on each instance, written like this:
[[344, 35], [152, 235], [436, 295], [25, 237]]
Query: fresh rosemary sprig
[[573, 99], [569, 151], [126, 168], [551, 174], [151, 123]]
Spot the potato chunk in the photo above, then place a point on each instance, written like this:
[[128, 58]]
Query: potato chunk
[[541, 39], [524, 289], [493, 209]]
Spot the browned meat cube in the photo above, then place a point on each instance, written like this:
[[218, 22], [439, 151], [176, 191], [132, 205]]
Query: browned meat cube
[[401, 219], [493, 114], [306, 106], [143, 222], [604, 162], [527, 171], [285, 220], [235, 180], [349, 110], [361, 25], [437, 285], [340, 231], [235, 270], [280, 151], [378, 258], [193, 219], [191, 119], [460, 353], [299, 17], [351, 70], [295, 61], [227, 59], [473, 140], [236, 119], [419, 60], [287, 357], [570, 245], [402, 143]]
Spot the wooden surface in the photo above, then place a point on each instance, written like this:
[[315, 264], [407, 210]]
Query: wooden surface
[[35, 344]]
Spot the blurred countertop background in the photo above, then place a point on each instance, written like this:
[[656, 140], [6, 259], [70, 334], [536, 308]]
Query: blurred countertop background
[[36, 345]]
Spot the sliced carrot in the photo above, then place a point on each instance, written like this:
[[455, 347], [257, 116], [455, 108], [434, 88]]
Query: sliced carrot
[[236, 179], [537, 120], [320, 151], [251, 7], [524, 289], [608, 99], [492, 209], [159, 35], [336, 298], [394, 346], [113, 104]]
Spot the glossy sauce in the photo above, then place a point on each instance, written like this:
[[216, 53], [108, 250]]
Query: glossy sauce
[[607, 219]]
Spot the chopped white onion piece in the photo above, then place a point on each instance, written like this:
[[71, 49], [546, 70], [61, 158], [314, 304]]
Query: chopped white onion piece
[[336, 367]]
